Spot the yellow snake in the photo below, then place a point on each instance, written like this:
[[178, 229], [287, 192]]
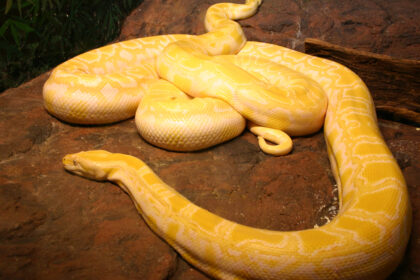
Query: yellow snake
[[276, 89]]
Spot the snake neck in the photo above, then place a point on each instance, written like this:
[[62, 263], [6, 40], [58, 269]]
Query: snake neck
[[225, 36]]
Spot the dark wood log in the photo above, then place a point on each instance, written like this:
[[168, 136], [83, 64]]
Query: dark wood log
[[394, 83]]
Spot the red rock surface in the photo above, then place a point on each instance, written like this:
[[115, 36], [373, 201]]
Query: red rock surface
[[389, 27], [54, 225]]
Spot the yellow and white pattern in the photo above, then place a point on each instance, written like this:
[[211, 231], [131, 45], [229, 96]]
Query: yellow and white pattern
[[279, 90]]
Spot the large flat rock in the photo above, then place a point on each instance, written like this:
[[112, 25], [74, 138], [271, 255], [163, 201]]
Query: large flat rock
[[54, 225], [389, 27]]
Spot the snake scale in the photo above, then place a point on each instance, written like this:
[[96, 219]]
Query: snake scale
[[279, 92]]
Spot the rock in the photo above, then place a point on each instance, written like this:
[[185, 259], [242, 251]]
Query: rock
[[384, 27], [54, 225]]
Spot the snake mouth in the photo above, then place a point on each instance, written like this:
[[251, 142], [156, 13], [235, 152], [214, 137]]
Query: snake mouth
[[70, 163], [85, 164]]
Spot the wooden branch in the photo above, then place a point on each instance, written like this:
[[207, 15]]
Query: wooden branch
[[393, 83]]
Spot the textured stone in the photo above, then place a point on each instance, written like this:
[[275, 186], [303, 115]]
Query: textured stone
[[54, 225], [389, 27]]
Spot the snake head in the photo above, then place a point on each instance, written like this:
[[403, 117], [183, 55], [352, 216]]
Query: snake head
[[90, 164]]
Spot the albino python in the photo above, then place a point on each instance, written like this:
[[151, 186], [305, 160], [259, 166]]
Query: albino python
[[278, 91]]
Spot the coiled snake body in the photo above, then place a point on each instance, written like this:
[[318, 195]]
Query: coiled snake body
[[277, 90]]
